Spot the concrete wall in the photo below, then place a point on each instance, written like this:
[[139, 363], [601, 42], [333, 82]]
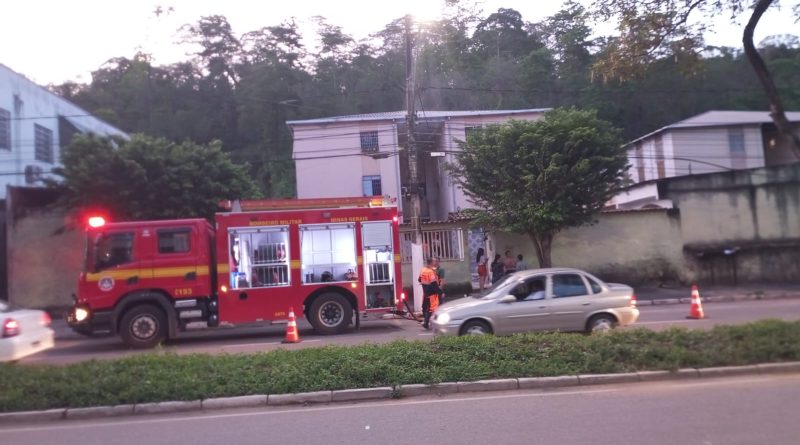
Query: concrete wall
[[628, 246], [741, 225], [44, 255]]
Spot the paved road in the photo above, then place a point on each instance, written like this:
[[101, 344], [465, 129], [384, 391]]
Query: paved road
[[729, 411], [71, 347]]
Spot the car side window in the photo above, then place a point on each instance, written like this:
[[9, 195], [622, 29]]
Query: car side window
[[536, 288], [568, 285], [596, 288], [113, 249]]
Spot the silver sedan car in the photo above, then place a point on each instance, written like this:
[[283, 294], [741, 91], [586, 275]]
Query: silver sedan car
[[540, 299]]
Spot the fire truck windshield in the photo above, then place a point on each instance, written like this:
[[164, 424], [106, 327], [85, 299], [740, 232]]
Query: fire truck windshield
[[108, 250]]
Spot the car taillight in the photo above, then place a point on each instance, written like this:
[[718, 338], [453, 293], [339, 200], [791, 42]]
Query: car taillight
[[10, 327], [633, 301], [46, 320]]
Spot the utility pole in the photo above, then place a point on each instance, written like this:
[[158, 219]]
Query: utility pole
[[411, 143], [413, 173]]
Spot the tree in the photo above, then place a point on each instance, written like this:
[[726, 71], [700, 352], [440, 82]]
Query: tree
[[151, 178], [658, 28], [538, 178]]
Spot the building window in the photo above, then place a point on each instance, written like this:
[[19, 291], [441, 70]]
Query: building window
[[470, 130], [371, 185], [43, 141], [5, 129], [369, 141], [736, 147]]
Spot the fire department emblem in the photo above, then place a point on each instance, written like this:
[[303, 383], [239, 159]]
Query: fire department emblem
[[106, 284]]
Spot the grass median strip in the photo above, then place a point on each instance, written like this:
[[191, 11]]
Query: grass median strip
[[161, 377]]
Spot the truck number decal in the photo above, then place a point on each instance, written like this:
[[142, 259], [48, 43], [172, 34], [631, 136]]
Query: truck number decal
[[183, 292], [280, 314]]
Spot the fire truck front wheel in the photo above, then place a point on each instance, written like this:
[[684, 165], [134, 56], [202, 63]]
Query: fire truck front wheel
[[330, 313], [143, 326]]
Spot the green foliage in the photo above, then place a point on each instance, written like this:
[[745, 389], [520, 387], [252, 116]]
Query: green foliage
[[538, 178], [159, 377], [241, 88], [151, 178]]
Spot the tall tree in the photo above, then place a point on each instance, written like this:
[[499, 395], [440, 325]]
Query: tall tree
[[538, 178], [654, 29], [151, 178]]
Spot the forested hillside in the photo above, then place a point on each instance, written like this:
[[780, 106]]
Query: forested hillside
[[240, 86]]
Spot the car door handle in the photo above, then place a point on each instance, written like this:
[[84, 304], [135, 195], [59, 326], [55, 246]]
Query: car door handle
[[190, 276], [542, 307], [585, 304], [133, 280]]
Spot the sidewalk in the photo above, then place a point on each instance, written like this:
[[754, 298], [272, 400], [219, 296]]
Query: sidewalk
[[745, 292]]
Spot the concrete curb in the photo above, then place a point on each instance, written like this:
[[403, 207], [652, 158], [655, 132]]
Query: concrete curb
[[730, 298], [387, 392]]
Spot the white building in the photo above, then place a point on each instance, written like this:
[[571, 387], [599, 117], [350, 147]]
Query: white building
[[710, 142], [363, 154], [35, 125]]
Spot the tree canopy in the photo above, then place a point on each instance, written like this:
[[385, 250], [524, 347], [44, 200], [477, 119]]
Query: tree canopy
[[241, 86], [652, 30], [538, 178], [151, 178]]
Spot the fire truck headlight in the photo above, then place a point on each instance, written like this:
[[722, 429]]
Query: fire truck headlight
[[353, 285], [81, 314]]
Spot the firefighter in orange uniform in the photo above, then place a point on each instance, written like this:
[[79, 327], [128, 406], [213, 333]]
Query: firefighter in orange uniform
[[430, 291]]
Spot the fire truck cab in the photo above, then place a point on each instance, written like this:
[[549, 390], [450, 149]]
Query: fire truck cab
[[333, 260]]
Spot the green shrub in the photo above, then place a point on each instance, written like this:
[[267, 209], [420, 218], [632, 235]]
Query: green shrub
[[160, 376]]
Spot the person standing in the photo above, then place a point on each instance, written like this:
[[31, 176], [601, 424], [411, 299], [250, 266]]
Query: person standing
[[521, 264], [430, 291], [509, 263], [483, 271], [497, 268], [437, 266]]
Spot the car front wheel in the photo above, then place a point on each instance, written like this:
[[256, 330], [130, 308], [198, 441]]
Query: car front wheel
[[476, 327]]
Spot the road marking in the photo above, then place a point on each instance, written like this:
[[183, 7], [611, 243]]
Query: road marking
[[665, 321], [301, 409], [244, 345], [426, 334]]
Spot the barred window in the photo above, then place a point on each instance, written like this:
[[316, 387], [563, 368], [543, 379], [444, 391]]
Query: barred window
[[5, 129], [369, 141], [371, 185], [43, 141]]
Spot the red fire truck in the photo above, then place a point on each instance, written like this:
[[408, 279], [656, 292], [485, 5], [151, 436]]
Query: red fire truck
[[333, 260]]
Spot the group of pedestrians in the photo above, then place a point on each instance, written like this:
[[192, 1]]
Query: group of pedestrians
[[432, 279], [499, 266]]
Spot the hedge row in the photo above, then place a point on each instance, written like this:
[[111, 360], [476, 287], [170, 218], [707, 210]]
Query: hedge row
[[160, 376]]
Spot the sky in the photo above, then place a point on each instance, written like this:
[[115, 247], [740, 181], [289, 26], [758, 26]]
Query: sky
[[52, 41]]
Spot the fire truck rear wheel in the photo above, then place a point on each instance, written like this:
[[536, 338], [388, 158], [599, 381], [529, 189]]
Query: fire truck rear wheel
[[330, 313], [143, 326]]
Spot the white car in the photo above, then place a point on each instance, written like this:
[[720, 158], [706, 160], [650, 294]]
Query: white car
[[23, 332]]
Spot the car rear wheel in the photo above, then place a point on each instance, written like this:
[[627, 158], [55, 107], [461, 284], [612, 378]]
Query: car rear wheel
[[330, 313], [601, 323], [476, 327], [143, 326]]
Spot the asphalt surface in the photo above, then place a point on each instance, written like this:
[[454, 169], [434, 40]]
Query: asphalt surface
[[71, 347], [730, 411]]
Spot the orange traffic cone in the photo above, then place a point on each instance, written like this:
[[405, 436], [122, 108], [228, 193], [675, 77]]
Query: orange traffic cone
[[696, 310], [292, 336]]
